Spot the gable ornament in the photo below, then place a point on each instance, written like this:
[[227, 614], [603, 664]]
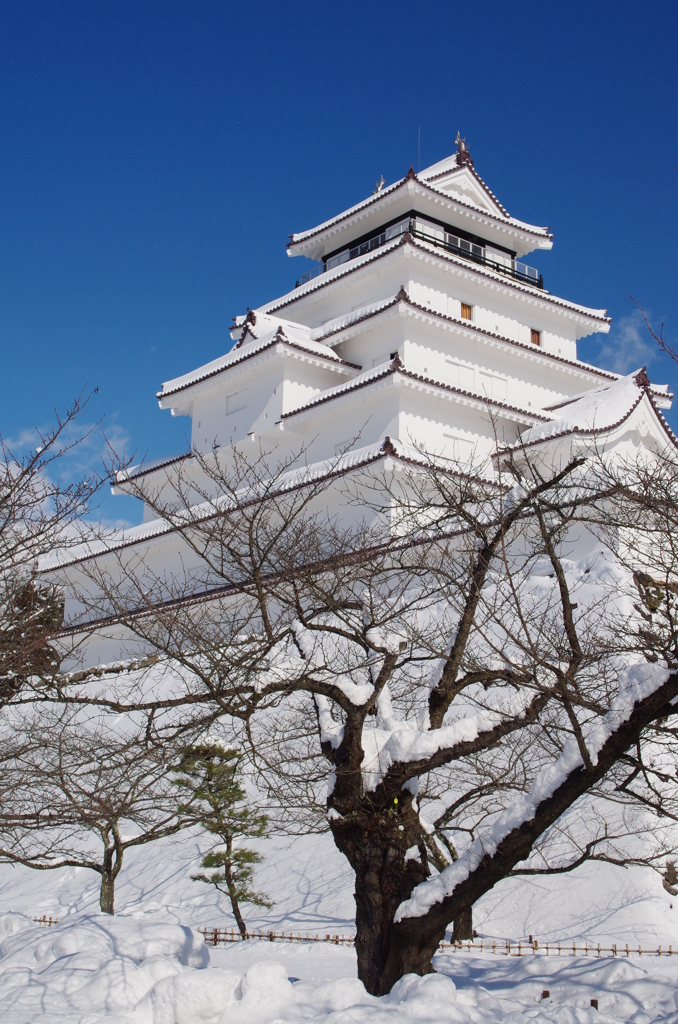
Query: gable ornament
[[463, 155]]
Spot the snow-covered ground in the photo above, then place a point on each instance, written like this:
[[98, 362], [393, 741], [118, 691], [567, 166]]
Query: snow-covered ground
[[149, 965]]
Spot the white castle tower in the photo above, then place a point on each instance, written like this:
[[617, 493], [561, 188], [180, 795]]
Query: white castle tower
[[420, 323], [420, 329]]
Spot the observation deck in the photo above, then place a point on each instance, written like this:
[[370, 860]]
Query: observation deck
[[438, 235]]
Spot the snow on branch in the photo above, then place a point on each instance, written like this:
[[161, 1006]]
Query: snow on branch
[[405, 743], [635, 684]]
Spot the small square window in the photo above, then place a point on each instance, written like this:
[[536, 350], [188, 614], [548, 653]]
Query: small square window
[[534, 337], [466, 311]]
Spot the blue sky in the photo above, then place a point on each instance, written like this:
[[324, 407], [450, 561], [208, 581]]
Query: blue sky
[[155, 157]]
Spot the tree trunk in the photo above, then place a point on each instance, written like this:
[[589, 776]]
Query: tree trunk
[[375, 847], [109, 873], [107, 894], [463, 926], [414, 943], [233, 896]]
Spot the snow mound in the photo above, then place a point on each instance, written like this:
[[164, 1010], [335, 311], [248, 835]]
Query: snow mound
[[145, 969], [93, 964], [12, 923]]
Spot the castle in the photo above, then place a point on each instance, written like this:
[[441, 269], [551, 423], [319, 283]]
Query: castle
[[419, 329]]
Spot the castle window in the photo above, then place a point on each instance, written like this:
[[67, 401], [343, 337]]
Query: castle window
[[466, 311], [534, 337]]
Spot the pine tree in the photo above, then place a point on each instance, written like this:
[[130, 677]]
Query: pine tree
[[207, 776]]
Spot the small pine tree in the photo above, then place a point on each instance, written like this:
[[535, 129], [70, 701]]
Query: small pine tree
[[206, 775]]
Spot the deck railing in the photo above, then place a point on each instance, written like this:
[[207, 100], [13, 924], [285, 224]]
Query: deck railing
[[443, 240]]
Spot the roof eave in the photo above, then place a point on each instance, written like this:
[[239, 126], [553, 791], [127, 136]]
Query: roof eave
[[597, 319], [284, 349], [397, 375], [313, 243], [392, 309], [584, 437]]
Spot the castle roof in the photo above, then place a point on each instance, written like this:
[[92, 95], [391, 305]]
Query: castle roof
[[396, 369], [337, 330], [598, 412], [595, 319], [447, 190], [260, 332], [295, 478]]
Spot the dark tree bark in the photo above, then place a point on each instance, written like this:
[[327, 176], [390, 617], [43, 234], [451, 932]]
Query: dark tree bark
[[375, 845], [110, 869], [107, 893], [232, 889], [463, 926], [414, 940]]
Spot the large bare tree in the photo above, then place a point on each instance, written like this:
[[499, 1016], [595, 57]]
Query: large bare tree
[[475, 670]]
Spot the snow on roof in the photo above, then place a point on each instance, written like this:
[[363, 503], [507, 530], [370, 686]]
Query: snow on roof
[[295, 477], [537, 293], [449, 165], [335, 327], [444, 166], [345, 320], [301, 236], [328, 277], [343, 270], [260, 332], [388, 191], [396, 365], [596, 411], [152, 466]]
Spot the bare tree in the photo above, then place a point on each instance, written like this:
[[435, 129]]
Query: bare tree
[[662, 344], [478, 647], [38, 514], [78, 792]]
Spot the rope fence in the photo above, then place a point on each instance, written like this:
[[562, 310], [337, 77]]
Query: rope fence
[[223, 936], [45, 921]]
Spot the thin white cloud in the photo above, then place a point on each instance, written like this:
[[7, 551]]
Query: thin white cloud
[[87, 446], [629, 345]]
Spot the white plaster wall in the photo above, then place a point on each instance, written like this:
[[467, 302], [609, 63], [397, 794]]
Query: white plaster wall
[[359, 418], [486, 371], [303, 381], [443, 286], [511, 315], [251, 397], [374, 341], [215, 420], [448, 428]]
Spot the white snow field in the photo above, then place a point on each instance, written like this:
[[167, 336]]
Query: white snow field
[[149, 965]]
